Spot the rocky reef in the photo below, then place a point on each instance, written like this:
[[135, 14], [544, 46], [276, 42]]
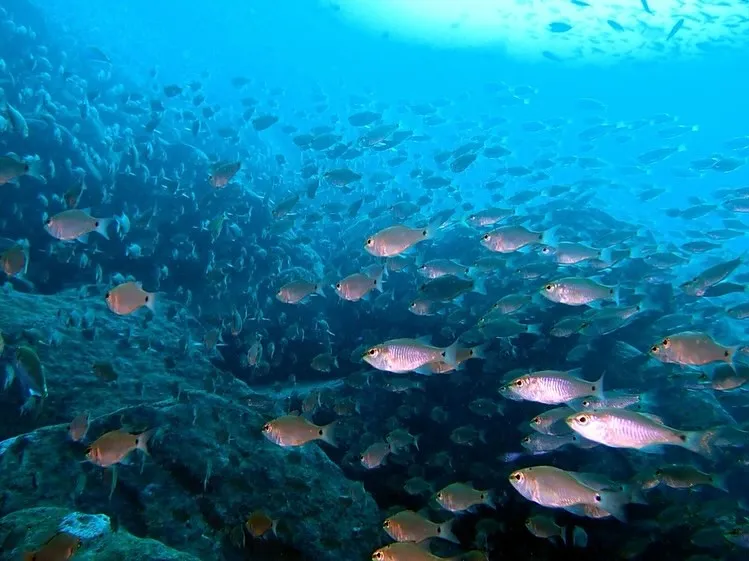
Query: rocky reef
[[209, 465]]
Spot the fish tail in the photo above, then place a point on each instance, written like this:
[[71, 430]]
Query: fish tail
[[152, 299], [445, 531], [719, 482], [479, 351], [549, 237], [141, 440], [319, 290], [35, 170], [101, 227], [479, 286], [450, 354], [378, 280], [700, 442], [614, 503], [597, 387], [327, 434]]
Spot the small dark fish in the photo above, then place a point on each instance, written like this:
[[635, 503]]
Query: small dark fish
[[559, 27], [675, 29], [646, 7], [264, 122], [461, 163], [614, 25]]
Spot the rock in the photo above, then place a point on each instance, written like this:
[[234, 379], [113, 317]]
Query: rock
[[209, 465], [26, 530]]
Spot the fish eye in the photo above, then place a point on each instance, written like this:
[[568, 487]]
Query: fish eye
[[527, 439], [266, 427], [379, 555], [485, 237], [582, 419], [106, 296], [424, 232], [372, 352], [586, 403], [517, 476], [440, 495], [338, 285], [96, 224], [548, 287], [666, 342], [658, 472], [536, 420], [654, 349], [597, 497], [370, 241], [518, 383], [386, 524]]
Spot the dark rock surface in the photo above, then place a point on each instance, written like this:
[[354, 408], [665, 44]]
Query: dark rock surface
[[209, 465], [26, 531]]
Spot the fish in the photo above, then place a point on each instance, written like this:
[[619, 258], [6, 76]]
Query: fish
[[459, 497], [129, 297], [296, 291], [76, 224], [15, 260], [508, 239], [409, 526], [375, 455], [13, 168], [114, 447], [293, 430], [60, 547], [552, 387], [407, 355], [576, 291], [79, 427], [222, 173], [691, 348], [622, 428], [394, 240], [555, 488], [358, 285], [258, 524]]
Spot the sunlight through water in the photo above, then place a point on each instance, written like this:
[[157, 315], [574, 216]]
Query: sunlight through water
[[562, 30]]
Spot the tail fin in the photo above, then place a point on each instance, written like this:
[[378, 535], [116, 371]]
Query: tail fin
[[549, 237], [445, 531], [614, 503], [597, 387], [35, 170], [319, 290], [479, 351], [479, 286], [152, 301], [699, 441], [141, 440], [327, 434], [378, 280], [101, 227], [450, 354], [719, 482]]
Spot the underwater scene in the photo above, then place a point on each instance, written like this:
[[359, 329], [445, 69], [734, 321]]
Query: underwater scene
[[387, 280]]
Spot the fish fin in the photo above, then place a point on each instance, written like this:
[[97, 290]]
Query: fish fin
[[479, 286], [82, 239], [445, 531], [720, 482], [597, 387], [534, 329], [378, 281], [327, 434], [613, 502], [114, 481], [101, 227], [479, 351], [35, 170], [450, 354], [634, 494], [319, 290], [141, 440], [10, 376], [152, 299], [699, 441], [549, 237]]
